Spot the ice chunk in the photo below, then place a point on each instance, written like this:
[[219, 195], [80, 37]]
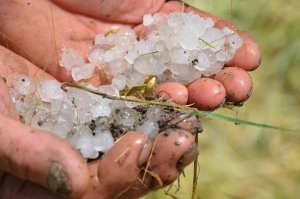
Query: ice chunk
[[147, 20], [82, 72], [50, 89], [235, 41], [103, 140], [23, 84], [148, 64], [70, 57], [125, 116], [149, 127], [134, 78]]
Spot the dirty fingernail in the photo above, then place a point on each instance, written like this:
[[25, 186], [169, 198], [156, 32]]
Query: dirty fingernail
[[188, 157], [57, 179]]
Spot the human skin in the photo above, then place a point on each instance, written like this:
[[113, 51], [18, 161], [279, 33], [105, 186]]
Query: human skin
[[30, 37]]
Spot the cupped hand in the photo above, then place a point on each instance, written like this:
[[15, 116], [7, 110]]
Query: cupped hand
[[133, 167], [39, 31]]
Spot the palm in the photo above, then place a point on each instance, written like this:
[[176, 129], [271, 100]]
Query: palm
[[67, 24]]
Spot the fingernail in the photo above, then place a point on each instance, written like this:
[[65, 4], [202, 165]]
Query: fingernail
[[57, 179], [188, 157], [144, 155]]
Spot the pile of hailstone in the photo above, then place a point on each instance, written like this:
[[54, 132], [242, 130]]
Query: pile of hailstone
[[178, 47], [89, 121]]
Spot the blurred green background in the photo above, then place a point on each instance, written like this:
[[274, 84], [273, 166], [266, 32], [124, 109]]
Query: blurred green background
[[238, 161]]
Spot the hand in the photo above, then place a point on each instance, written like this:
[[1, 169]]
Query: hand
[[75, 25]]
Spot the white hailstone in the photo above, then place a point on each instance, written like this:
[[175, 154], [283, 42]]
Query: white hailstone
[[131, 56], [166, 76], [112, 54], [213, 39], [184, 73], [173, 42], [147, 20], [203, 62], [109, 89], [149, 127], [148, 64], [83, 115], [100, 108], [20, 108], [29, 114], [154, 113], [147, 33], [61, 106], [15, 95], [215, 67], [159, 18], [105, 39], [99, 39], [197, 25], [23, 84], [84, 71], [165, 31], [102, 123], [134, 78], [235, 41], [70, 57], [78, 98], [84, 144], [153, 36], [131, 104], [177, 20], [119, 81], [63, 125], [231, 53], [116, 67], [50, 89], [182, 56], [44, 121], [117, 104], [124, 38], [145, 47], [96, 54], [161, 46], [103, 140], [222, 55], [163, 60], [125, 116], [209, 23], [227, 31], [189, 40], [31, 100]]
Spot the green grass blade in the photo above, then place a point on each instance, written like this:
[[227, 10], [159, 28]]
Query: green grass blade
[[239, 121]]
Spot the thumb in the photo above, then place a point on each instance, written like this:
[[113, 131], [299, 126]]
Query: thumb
[[42, 158]]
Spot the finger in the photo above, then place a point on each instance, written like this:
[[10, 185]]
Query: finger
[[42, 158], [128, 11], [7, 107], [247, 57], [16, 188], [237, 83], [172, 92], [206, 94], [119, 167], [172, 152], [40, 38], [13, 64]]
